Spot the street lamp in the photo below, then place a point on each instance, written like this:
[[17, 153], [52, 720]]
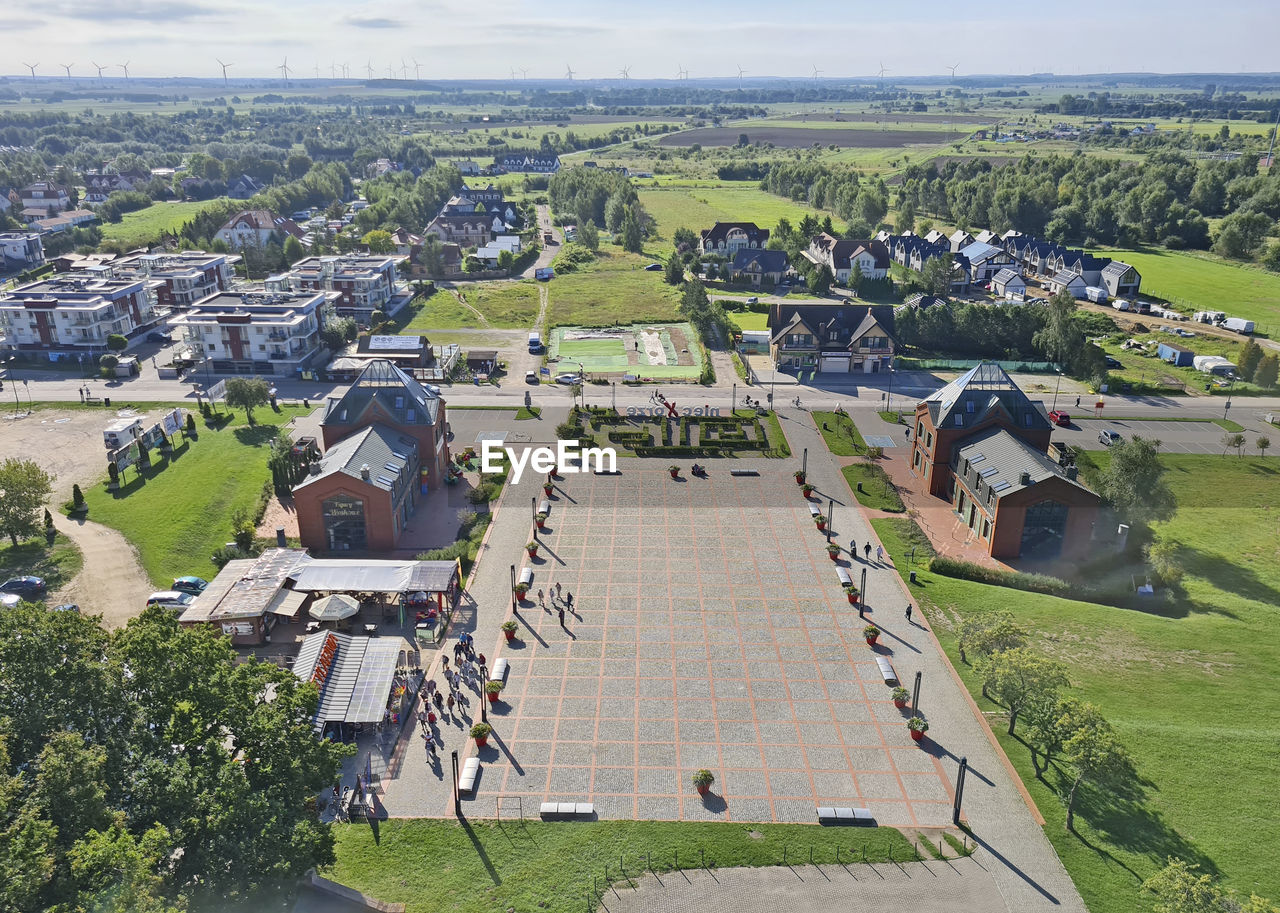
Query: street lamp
[[1225, 409], [1055, 393], [889, 397]]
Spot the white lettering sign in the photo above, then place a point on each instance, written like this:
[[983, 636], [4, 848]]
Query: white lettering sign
[[566, 458]]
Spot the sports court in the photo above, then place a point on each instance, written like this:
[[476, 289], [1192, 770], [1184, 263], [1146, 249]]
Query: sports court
[[647, 351], [709, 630]]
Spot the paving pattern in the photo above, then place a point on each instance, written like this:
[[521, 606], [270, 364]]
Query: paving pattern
[[708, 630]]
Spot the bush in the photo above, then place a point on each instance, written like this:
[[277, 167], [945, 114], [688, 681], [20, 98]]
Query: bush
[[77, 497], [967, 570]]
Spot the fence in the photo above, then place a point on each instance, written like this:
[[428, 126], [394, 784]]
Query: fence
[[964, 364], [1190, 307]]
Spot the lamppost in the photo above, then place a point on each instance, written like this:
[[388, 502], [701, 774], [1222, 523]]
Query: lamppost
[[1225, 409], [733, 403], [889, 396], [1054, 407]]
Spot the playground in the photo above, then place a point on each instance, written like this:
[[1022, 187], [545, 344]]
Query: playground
[[643, 351]]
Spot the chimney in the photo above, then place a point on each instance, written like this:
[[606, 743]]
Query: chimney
[[364, 471], [1073, 472], [281, 541], [1024, 479]]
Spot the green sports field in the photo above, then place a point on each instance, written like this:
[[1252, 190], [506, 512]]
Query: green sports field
[[621, 350]]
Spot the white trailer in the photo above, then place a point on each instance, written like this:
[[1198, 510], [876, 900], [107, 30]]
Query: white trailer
[[121, 433], [1239, 325]]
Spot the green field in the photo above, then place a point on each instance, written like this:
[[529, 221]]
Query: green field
[[749, 320], [1202, 282], [700, 204], [1144, 371], [465, 866], [610, 356], [613, 290], [179, 512], [476, 305], [145, 226], [1188, 685]]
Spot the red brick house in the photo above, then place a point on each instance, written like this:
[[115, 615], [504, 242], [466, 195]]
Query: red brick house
[[982, 444]]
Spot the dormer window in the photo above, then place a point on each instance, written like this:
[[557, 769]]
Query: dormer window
[[968, 406], [959, 419]]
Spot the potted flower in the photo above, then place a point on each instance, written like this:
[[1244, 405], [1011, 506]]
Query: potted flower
[[547, 487], [852, 592], [807, 488], [532, 549], [520, 589], [800, 476], [821, 522], [675, 471], [900, 697], [833, 551], [917, 728], [541, 519], [872, 634], [493, 689], [509, 629], [480, 732], [703, 779]]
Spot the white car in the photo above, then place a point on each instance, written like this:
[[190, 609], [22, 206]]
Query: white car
[[1107, 437], [568, 379]]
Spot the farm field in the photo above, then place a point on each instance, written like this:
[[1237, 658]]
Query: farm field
[[798, 137], [1169, 680], [145, 226], [699, 204], [649, 351], [1202, 282]]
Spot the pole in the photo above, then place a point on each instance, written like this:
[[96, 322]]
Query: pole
[[513, 589], [614, 392], [889, 404], [830, 506], [26, 386], [804, 462], [955, 811], [1055, 392], [915, 695], [862, 603], [733, 403], [457, 799]]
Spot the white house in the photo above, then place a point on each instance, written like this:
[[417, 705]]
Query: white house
[[1008, 282], [256, 228]]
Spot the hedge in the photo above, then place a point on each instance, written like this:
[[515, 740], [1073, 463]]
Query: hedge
[[967, 570]]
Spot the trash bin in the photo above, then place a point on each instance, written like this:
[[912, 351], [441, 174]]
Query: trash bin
[[913, 576], [106, 401]]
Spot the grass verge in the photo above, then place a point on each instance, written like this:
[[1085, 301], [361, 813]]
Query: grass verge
[[524, 413], [482, 866], [57, 563], [841, 435], [877, 491]]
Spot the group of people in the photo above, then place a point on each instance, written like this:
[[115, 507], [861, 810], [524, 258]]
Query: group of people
[[565, 601], [468, 668], [866, 551]]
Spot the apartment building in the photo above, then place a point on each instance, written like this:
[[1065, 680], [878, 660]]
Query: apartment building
[[184, 277], [258, 331], [364, 283], [76, 312]]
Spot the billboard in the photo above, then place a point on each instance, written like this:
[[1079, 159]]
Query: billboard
[[126, 456], [173, 422], [218, 391]]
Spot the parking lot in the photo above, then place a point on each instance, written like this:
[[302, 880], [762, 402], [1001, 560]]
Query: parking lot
[[1175, 437]]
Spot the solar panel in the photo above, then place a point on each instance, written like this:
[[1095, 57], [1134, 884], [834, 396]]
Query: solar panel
[[387, 482], [1001, 485]]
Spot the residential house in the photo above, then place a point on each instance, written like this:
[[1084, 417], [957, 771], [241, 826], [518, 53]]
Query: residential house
[[937, 237], [384, 394], [97, 187], [64, 221], [985, 260], [959, 240], [243, 187], [727, 238], [841, 254], [407, 243], [1068, 281], [485, 195], [39, 197], [467, 167], [1176, 355], [759, 267], [380, 167], [981, 443], [20, 251], [1121, 280], [531, 163], [258, 331], [75, 313], [921, 301], [1008, 283], [493, 250], [364, 282], [182, 277], [984, 237], [256, 228], [1088, 266], [838, 338], [466, 229]]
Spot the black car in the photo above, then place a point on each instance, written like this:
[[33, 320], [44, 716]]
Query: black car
[[159, 337], [26, 587], [1113, 362]]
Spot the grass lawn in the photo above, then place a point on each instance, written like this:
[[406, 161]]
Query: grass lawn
[[145, 226], [57, 563], [1203, 282], [1189, 687], [501, 305], [524, 413], [1147, 372], [877, 492], [699, 205], [749, 320], [613, 290], [840, 433], [178, 513], [483, 866]]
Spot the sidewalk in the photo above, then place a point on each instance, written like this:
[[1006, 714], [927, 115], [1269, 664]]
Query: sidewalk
[[1013, 846]]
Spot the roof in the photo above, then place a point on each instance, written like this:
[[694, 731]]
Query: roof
[[718, 231], [922, 301], [988, 388], [1006, 276], [1066, 277], [246, 588], [383, 453], [258, 219], [354, 674], [1116, 268], [771, 261], [340, 575], [845, 320], [977, 252], [1174, 347], [398, 344], [1001, 459], [398, 394]]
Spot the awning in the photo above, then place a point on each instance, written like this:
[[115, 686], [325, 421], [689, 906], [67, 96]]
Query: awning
[[287, 603], [337, 575], [355, 674]]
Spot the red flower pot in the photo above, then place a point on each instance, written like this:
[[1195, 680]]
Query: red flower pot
[[482, 741], [547, 488], [799, 478], [834, 556], [675, 473], [853, 598], [493, 697], [871, 641], [511, 635], [542, 524], [916, 735], [703, 788], [533, 552], [900, 705], [822, 524]]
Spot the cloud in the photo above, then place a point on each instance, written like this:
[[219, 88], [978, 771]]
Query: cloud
[[20, 25], [546, 30], [373, 22], [148, 10]]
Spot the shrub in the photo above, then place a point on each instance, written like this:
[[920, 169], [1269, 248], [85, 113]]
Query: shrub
[[703, 777], [481, 731], [967, 570], [191, 423], [77, 496]]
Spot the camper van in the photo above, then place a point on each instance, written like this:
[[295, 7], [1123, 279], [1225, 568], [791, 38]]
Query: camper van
[[122, 433], [535, 344]]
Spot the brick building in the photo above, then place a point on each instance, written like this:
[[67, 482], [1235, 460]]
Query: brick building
[[982, 444]]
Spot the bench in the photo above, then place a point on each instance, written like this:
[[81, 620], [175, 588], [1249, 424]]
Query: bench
[[743, 472], [814, 510], [499, 671], [467, 779], [842, 815], [843, 574], [608, 472], [526, 576], [545, 508], [562, 811], [886, 671]]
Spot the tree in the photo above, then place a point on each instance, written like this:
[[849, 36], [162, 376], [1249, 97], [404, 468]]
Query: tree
[[247, 393], [1092, 749], [674, 273], [296, 166], [985, 633], [1250, 357], [293, 251], [1181, 888], [936, 275], [1233, 440], [378, 242], [820, 280], [856, 278], [1045, 734], [632, 235], [1133, 483], [117, 343], [685, 239], [589, 236], [1268, 372], [1262, 443], [1019, 677], [24, 489], [506, 259]]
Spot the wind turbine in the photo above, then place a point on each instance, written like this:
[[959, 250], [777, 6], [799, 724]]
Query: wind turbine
[[816, 71], [625, 72], [125, 66], [524, 72], [224, 70], [100, 69], [417, 69], [333, 69], [953, 70], [67, 67], [740, 72], [404, 70], [568, 72], [317, 69], [368, 67], [284, 70], [883, 70], [391, 73], [32, 68], [346, 71], [513, 74]]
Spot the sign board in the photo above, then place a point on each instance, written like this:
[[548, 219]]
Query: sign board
[[127, 456], [218, 391], [152, 436], [173, 422]]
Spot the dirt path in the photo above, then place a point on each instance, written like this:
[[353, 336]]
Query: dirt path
[[544, 298], [463, 301], [112, 581]]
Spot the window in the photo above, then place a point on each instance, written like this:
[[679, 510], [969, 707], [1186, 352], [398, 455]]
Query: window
[[959, 419], [928, 439], [261, 347], [968, 406], [917, 459], [919, 429], [986, 529]]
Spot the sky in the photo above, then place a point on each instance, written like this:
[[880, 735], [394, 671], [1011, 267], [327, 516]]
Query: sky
[[465, 39]]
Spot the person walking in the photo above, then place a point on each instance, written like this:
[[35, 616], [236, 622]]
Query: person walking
[[879, 553], [569, 600], [557, 591], [866, 550], [480, 660], [542, 603], [449, 703], [439, 699], [853, 547], [1077, 402], [560, 610], [908, 611]]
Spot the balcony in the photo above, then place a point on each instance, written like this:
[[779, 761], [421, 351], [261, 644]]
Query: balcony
[[277, 336]]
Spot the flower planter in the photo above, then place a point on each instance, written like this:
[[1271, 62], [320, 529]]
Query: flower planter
[[542, 524], [704, 788], [482, 741], [916, 735], [871, 641], [853, 598], [822, 524], [493, 699], [799, 478], [675, 473], [834, 556], [901, 705], [511, 635], [547, 488], [533, 552]]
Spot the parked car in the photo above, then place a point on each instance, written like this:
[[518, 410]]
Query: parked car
[[753, 300], [170, 599], [653, 268], [1060, 418], [1113, 362], [9, 600], [1107, 437], [1185, 334], [568, 379], [26, 587], [193, 585], [157, 336], [66, 607], [531, 377]]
